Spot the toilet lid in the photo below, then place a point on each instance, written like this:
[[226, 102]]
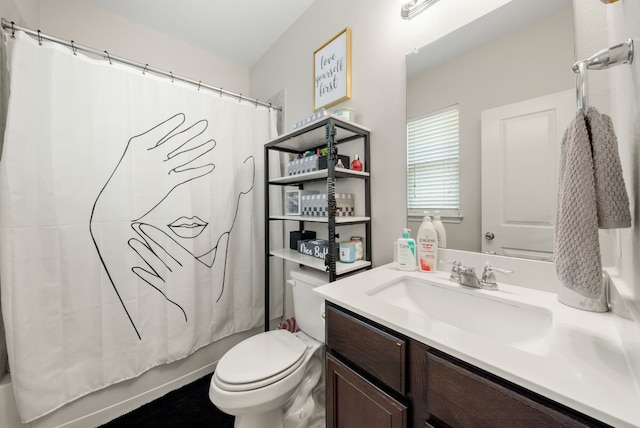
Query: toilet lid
[[261, 357]]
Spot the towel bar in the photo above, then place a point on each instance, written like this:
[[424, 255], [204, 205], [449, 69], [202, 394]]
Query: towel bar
[[619, 54]]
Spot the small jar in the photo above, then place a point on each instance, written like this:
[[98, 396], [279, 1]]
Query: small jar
[[347, 252], [359, 244]]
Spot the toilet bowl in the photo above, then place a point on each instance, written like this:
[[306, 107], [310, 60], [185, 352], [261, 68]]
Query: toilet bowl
[[266, 381]]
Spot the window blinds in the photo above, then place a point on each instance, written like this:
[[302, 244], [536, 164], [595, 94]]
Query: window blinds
[[433, 178]]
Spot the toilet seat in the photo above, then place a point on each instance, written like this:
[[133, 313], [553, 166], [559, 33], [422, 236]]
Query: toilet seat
[[259, 361]]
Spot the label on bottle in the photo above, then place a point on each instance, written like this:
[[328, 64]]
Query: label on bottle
[[427, 254], [406, 253]]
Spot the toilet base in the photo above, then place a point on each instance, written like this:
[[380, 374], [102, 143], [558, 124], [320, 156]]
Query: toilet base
[[272, 419]]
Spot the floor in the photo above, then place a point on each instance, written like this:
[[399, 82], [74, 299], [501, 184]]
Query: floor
[[188, 406]]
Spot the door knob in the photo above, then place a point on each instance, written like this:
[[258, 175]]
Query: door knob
[[489, 236]]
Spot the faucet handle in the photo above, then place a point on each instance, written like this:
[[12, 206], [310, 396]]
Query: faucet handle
[[489, 277], [455, 269]]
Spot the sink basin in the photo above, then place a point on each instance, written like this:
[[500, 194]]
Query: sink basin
[[522, 326]]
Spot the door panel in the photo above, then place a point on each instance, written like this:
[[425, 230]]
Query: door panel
[[520, 157]]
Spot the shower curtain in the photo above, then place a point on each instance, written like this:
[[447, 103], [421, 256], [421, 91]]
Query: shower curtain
[[130, 222]]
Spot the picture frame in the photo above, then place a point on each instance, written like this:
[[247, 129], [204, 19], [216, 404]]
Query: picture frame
[[332, 71]]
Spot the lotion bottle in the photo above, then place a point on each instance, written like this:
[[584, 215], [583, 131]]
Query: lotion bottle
[[427, 246], [440, 230], [406, 252]]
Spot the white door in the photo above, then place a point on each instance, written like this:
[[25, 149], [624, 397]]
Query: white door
[[520, 153]]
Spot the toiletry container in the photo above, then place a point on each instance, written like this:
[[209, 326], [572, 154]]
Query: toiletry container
[[406, 252], [440, 230], [427, 243]]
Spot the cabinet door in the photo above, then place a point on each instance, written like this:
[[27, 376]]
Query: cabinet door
[[461, 398], [354, 402]]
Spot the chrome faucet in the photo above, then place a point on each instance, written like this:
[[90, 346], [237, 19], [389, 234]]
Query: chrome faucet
[[466, 275]]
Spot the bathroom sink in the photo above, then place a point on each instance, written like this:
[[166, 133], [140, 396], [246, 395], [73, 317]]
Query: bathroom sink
[[452, 308]]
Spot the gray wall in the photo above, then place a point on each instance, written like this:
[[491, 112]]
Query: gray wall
[[530, 62]]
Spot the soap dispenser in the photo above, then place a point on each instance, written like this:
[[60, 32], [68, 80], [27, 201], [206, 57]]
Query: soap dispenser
[[406, 252]]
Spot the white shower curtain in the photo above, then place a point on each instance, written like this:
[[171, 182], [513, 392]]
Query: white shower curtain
[[130, 222]]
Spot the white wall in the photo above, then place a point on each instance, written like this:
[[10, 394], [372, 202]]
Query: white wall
[[22, 12], [98, 28], [492, 75], [380, 42]]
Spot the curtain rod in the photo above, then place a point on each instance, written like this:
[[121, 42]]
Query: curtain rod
[[144, 67]]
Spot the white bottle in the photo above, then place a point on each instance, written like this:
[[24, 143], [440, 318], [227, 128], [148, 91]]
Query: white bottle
[[406, 252], [427, 246], [440, 230]]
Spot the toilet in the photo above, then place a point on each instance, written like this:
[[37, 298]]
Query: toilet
[[268, 380]]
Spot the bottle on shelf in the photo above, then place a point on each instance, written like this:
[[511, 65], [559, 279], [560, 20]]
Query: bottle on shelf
[[356, 165]]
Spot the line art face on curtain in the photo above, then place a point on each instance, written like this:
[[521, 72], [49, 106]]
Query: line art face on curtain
[[127, 222], [177, 153]]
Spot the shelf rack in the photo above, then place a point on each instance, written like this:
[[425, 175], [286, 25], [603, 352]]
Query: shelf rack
[[325, 133]]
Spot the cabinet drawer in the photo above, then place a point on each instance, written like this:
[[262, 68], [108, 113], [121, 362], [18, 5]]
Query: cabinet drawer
[[461, 398], [377, 352]]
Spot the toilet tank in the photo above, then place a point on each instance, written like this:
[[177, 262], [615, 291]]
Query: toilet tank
[[308, 307]]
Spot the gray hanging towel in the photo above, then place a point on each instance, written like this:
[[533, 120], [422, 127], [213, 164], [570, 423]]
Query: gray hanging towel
[[576, 246], [611, 194]]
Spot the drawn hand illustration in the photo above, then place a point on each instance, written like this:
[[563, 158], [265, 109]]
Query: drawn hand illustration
[[133, 238], [170, 264], [155, 163]]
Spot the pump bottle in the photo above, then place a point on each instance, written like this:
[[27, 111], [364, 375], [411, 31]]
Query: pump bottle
[[427, 246], [406, 252], [440, 230]]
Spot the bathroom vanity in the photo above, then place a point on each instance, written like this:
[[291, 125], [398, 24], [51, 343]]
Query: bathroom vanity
[[400, 354]]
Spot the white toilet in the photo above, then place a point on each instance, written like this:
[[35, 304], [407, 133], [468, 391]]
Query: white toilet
[[266, 381]]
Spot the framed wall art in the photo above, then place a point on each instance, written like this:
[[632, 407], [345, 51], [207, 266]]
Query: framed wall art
[[332, 71]]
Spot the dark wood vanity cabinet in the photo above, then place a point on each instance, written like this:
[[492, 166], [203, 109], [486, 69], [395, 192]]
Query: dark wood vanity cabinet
[[377, 378]]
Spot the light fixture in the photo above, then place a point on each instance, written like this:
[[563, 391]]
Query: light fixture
[[414, 7]]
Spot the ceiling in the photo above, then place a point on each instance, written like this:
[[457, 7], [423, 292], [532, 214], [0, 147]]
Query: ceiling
[[238, 30]]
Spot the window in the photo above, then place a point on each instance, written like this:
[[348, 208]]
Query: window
[[433, 172]]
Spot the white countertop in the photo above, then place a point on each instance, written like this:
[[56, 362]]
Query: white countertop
[[583, 367]]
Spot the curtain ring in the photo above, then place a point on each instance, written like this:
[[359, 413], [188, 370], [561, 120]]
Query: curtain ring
[[199, 82], [39, 38], [220, 91], [144, 70], [108, 57], [73, 48], [171, 73], [256, 103], [269, 106], [13, 30], [240, 98]]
